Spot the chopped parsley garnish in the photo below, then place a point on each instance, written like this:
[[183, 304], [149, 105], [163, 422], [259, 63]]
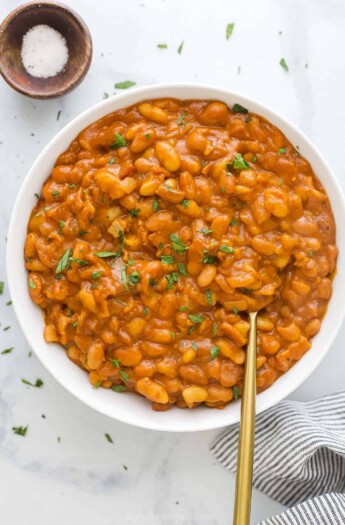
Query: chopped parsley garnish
[[248, 119], [180, 120], [180, 47], [119, 142], [177, 243], [115, 362], [205, 231], [71, 185], [98, 384], [191, 329], [214, 331], [196, 319], [172, 279], [118, 388], [38, 383], [311, 253], [146, 311], [124, 375], [32, 284], [229, 30], [209, 297], [81, 262], [111, 160], [239, 163], [8, 302], [64, 261], [116, 254], [124, 278], [208, 258], [184, 309], [135, 212], [254, 159], [237, 108], [185, 203], [233, 222], [124, 85], [167, 259], [7, 350], [123, 303], [103, 255], [155, 204], [236, 391], [284, 64], [162, 46], [281, 151], [55, 194], [61, 224], [96, 275], [235, 309], [226, 249], [182, 269], [194, 346], [214, 351], [147, 136], [134, 278], [20, 431], [109, 438]]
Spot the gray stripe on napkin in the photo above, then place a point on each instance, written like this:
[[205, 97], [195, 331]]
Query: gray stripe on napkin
[[299, 451]]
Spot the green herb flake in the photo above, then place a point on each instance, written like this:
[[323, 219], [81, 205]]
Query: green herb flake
[[155, 204], [184, 309], [124, 375], [209, 297], [205, 231], [214, 351], [109, 438], [177, 243], [98, 384], [111, 161], [180, 120], [2, 286], [191, 329], [254, 159], [284, 64], [61, 224], [135, 212], [281, 182], [172, 279], [233, 222], [208, 258], [194, 346], [20, 431], [226, 249], [32, 284], [239, 163], [229, 30], [82, 233], [81, 262], [147, 136], [119, 142], [311, 253], [185, 203], [248, 119], [134, 278], [237, 108], [103, 255], [124, 278], [7, 350], [180, 47], [167, 259], [235, 309], [182, 269], [64, 262], [6, 328], [55, 194], [36, 195], [146, 311], [116, 363], [125, 85], [118, 388], [214, 331], [71, 185], [196, 318], [38, 383], [8, 303], [96, 275], [281, 151], [162, 46], [236, 391]]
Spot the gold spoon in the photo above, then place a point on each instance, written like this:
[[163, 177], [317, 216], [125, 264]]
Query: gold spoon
[[244, 474]]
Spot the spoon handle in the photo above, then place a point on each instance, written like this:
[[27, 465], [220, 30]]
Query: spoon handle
[[245, 455]]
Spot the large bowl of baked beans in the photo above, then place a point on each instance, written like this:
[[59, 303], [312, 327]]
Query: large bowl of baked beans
[[146, 231]]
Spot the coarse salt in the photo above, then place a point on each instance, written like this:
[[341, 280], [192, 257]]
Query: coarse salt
[[44, 51]]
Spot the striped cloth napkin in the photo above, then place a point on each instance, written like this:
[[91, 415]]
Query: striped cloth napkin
[[299, 459]]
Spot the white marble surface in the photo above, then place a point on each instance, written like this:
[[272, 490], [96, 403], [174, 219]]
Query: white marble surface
[[169, 478]]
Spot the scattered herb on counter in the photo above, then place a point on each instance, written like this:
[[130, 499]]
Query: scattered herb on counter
[[58, 115], [119, 142], [43, 416], [284, 64], [20, 431], [36, 195], [109, 438], [214, 351], [180, 47], [58, 439], [162, 46], [105, 95], [7, 350], [6, 328], [125, 467], [229, 30], [124, 85], [236, 391], [237, 108], [2, 286], [209, 297], [38, 383]]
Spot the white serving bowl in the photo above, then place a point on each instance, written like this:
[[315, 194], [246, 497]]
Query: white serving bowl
[[131, 408]]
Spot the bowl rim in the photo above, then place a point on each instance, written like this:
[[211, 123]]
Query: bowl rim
[[216, 419], [78, 77]]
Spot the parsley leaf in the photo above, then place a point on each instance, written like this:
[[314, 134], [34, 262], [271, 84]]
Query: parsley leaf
[[20, 431], [229, 30], [155, 204], [226, 249], [2, 286], [237, 108], [209, 297], [182, 269], [205, 231], [7, 350], [64, 263], [281, 151], [184, 309], [119, 142], [180, 120], [235, 309], [134, 278], [124, 375], [284, 64], [81, 262], [124, 85], [236, 391], [162, 46], [124, 278], [172, 279], [208, 258], [135, 212], [109, 438], [167, 259], [180, 47], [177, 243], [194, 346], [32, 284], [214, 351], [196, 318], [96, 275], [118, 388], [38, 383], [185, 203], [239, 163]]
